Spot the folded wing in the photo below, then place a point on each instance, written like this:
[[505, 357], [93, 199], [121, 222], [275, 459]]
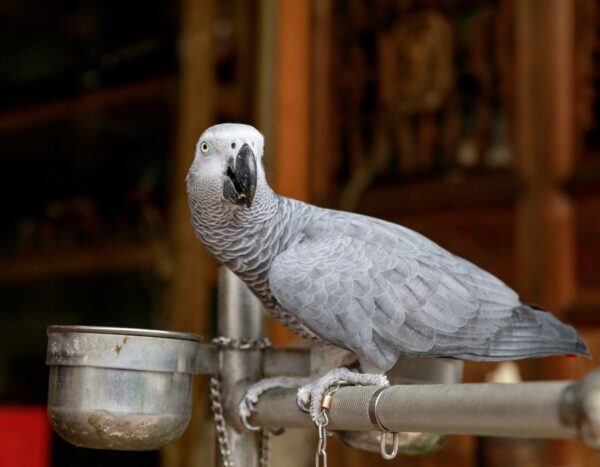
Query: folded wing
[[382, 291]]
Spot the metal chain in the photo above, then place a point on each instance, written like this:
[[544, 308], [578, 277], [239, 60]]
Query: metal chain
[[265, 449], [322, 421], [228, 343], [216, 405], [321, 454], [216, 401]]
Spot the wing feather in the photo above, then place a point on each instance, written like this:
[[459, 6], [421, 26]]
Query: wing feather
[[382, 291]]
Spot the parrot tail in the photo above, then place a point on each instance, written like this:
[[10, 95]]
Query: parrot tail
[[531, 333]]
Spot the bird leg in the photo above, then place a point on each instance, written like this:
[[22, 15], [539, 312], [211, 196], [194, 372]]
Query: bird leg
[[310, 395]]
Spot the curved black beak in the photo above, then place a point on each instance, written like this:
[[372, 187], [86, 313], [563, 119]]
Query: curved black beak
[[239, 184]]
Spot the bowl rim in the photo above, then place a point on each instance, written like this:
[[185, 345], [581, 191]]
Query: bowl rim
[[59, 328]]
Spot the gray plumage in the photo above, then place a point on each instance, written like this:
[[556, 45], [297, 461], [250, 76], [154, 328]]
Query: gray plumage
[[372, 287]]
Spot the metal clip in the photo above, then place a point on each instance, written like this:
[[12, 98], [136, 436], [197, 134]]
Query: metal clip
[[383, 446], [378, 426]]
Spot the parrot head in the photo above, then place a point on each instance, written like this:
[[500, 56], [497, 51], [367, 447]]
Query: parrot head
[[227, 164]]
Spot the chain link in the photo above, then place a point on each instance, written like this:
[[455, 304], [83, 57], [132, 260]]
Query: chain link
[[322, 421], [216, 402]]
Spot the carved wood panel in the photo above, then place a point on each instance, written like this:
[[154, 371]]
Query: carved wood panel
[[587, 77], [419, 88], [584, 185]]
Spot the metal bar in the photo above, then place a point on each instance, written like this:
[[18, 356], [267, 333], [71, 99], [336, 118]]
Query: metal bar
[[275, 362], [286, 362], [207, 361], [239, 318], [532, 410]]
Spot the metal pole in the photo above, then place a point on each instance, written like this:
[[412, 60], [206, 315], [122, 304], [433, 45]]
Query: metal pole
[[532, 410], [239, 317]]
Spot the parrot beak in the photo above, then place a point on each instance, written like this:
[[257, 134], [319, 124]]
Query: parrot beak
[[239, 183]]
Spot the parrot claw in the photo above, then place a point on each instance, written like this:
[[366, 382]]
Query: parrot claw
[[246, 408], [247, 405], [310, 396]]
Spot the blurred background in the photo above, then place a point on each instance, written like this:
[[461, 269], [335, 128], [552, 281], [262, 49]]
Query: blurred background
[[475, 122]]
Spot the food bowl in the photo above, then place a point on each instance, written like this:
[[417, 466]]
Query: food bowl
[[119, 388]]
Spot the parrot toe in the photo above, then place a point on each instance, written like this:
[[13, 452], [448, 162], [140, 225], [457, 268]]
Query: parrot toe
[[247, 405], [310, 396]]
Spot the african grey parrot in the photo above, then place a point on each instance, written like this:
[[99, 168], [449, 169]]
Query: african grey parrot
[[377, 289]]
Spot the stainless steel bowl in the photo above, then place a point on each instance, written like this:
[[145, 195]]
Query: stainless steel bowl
[[119, 388]]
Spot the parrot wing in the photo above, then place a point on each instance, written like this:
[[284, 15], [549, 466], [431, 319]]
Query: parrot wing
[[382, 291]]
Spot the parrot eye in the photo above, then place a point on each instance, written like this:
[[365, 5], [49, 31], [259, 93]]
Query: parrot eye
[[204, 147]]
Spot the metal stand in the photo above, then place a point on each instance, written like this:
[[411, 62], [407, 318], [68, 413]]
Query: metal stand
[[239, 318]]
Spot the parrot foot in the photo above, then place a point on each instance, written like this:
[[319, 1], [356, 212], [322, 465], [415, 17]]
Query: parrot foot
[[310, 396], [248, 403]]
